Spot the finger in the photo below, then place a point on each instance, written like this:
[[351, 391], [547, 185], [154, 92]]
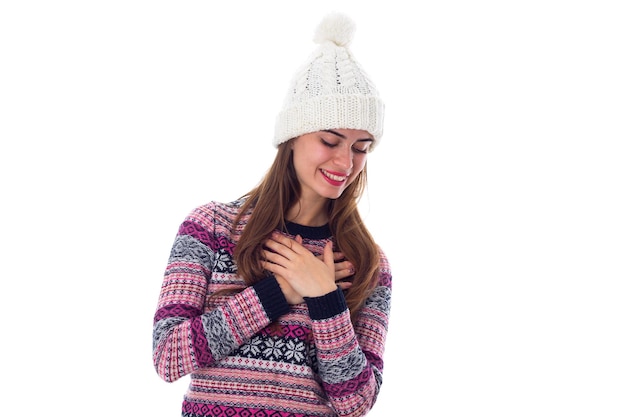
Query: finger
[[344, 285], [339, 256], [344, 265], [278, 247], [287, 242], [342, 274], [272, 267], [274, 258]]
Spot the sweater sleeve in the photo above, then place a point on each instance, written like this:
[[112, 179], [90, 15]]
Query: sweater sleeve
[[350, 357], [185, 336]]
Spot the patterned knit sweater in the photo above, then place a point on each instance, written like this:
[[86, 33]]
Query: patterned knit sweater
[[311, 361]]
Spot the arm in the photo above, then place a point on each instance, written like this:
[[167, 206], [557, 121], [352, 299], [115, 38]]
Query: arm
[[350, 358], [185, 336]]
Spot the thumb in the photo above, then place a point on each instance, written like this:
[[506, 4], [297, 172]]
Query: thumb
[[329, 258]]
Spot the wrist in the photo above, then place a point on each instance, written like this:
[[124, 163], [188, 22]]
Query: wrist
[[327, 305]]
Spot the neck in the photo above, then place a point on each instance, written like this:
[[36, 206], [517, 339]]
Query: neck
[[309, 213]]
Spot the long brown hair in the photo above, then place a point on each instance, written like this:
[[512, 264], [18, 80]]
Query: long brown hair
[[276, 193]]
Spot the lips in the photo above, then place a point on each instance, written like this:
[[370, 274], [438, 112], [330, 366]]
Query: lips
[[334, 178]]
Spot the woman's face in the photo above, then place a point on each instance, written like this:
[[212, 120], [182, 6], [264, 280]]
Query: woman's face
[[326, 162]]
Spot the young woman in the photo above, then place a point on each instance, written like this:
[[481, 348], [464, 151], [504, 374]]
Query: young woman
[[277, 304]]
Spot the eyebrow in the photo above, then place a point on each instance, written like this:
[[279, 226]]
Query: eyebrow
[[344, 136]]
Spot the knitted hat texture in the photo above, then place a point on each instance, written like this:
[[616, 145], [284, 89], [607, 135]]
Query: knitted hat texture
[[331, 91]]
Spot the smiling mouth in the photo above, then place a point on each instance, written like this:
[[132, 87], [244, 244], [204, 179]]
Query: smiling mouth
[[334, 177]]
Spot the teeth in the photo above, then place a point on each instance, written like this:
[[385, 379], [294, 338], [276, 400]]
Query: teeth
[[333, 177]]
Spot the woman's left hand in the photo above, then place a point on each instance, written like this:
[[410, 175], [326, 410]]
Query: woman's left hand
[[308, 275]]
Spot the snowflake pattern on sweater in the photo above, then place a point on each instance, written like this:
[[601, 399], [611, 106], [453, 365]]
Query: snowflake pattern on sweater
[[312, 362]]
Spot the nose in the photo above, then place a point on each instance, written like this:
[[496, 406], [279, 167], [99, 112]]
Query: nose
[[344, 157]]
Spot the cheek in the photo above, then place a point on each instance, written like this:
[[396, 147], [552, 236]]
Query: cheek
[[310, 155], [357, 167], [359, 163], [305, 162]]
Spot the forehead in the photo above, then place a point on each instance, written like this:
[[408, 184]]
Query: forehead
[[352, 134]]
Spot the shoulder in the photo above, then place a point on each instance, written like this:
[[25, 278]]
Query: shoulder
[[384, 268], [215, 213]]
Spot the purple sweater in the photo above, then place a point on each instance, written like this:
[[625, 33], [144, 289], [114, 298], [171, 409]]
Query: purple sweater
[[312, 361]]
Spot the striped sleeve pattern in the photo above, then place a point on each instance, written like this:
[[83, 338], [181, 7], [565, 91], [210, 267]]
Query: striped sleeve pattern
[[351, 357], [185, 337]]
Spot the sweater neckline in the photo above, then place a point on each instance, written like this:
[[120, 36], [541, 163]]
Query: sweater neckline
[[309, 232]]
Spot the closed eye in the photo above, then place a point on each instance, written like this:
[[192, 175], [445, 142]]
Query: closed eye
[[354, 148]]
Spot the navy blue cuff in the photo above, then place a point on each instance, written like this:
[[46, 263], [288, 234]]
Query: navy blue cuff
[[326, 306], [272, 297]]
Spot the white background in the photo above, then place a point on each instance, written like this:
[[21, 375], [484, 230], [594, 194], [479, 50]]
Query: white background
[[498, 191]]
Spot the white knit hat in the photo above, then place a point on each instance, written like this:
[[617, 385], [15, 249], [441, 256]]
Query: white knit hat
[[331, 91]]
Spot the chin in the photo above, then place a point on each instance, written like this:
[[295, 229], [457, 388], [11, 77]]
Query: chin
[[330, 193], [333, 196]]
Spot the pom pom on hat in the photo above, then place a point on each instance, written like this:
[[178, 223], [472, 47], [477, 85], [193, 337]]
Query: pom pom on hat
[[331, 91], [336, 28]]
